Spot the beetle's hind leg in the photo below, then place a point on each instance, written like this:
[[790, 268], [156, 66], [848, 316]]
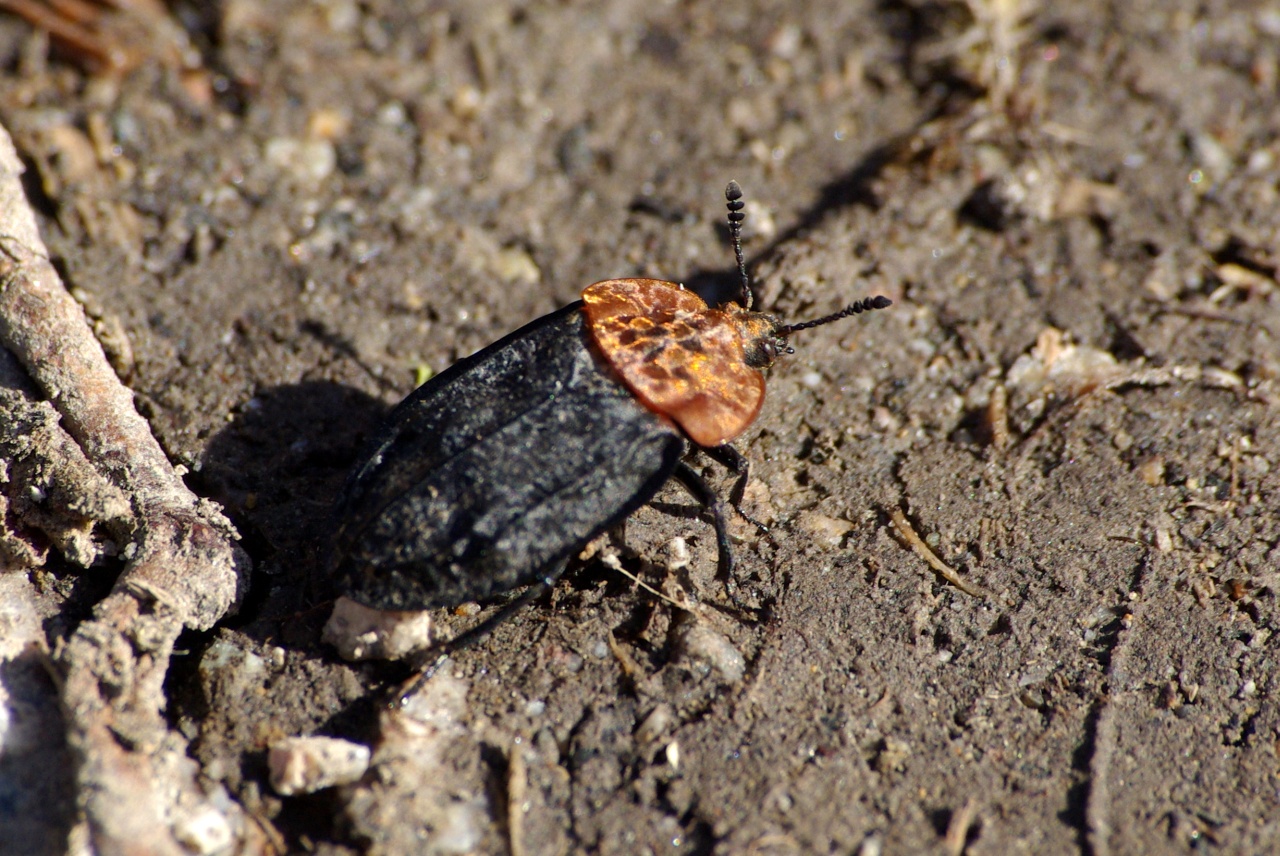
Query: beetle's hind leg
[[439, 653]]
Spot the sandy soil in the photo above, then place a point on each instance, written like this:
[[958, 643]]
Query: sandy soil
[[276, 226]]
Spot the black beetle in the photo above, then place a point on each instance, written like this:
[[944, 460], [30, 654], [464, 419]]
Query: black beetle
[[494, 473]]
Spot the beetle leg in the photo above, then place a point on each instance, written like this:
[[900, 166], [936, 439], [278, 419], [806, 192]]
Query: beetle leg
[[702, 492], [735, 462], [467, 638]]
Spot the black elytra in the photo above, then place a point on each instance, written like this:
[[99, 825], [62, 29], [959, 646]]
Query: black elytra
[[498, 469], [494, 473]]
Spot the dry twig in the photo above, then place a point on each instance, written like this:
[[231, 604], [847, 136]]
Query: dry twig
[[137, 789]]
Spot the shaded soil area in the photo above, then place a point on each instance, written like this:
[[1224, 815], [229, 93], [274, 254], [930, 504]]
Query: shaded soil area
[[284, 214]]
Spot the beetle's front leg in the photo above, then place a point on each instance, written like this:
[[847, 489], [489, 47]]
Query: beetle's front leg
[[735, 462], [703, 492]]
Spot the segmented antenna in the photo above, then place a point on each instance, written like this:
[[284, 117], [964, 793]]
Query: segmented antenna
[[733, 200], [864, 305]]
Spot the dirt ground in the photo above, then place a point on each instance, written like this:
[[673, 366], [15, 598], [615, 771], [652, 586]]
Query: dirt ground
[[279, 223]]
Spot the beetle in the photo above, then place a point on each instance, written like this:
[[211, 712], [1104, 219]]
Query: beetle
[[494, 473]]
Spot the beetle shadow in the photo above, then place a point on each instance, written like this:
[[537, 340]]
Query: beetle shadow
[[275, 469]]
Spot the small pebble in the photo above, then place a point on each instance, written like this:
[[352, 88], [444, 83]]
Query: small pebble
[[361, 633], [699, 642], [303, 765], [204, 831]]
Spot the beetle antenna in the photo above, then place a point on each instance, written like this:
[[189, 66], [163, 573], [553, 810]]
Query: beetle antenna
[[733, 200], [864, 305]]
